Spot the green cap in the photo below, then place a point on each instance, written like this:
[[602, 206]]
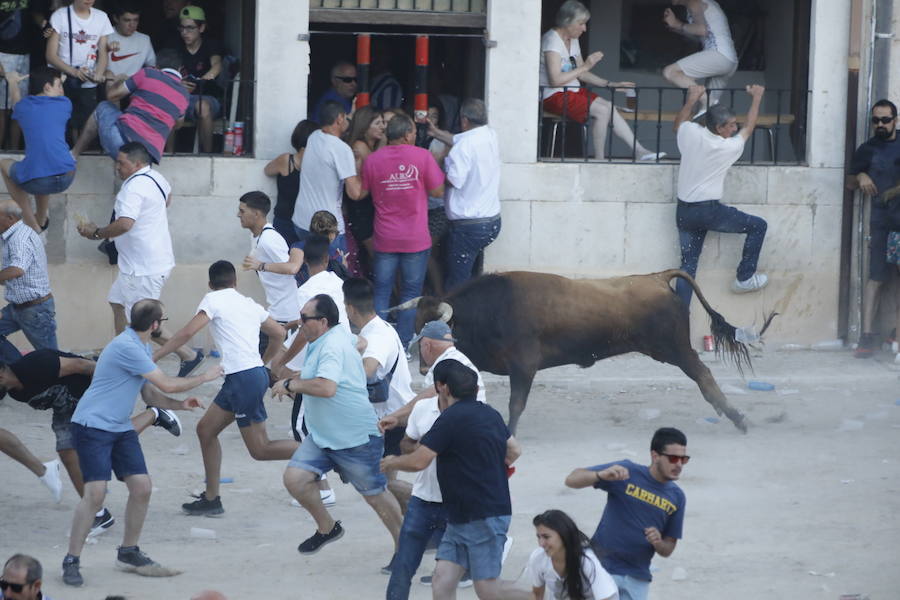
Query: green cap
[[193, 12]]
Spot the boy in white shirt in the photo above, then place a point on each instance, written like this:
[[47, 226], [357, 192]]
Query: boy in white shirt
[[129, 49], [235, 321]]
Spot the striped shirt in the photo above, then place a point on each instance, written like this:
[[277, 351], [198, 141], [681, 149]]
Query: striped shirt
[[22, 248], [158, 100]]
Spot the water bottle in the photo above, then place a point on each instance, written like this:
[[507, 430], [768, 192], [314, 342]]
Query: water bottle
[[760, 386], [229, 141], [238, 138]]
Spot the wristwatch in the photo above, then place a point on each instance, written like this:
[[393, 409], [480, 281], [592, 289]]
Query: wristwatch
[[96, 234]]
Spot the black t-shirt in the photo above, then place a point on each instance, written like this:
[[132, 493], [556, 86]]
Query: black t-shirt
[[880, 160], [199, 63], [470, 441], [20, 43], [39, 371]]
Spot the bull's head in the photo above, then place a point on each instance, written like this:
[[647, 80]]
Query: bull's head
[[428, 308]]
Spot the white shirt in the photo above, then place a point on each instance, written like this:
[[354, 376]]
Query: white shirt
[[235, 321], [603, 586], [705, 159], [146, 248], [552, 42], [327, 162], [422, 417], [473, 169], [325, 282], [718, 33], [86, 40], [281, 290], [135, 52], [384, 345], [455, 354]]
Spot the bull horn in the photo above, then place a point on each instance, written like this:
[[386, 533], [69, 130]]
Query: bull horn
[[406, 305], [445, 312]]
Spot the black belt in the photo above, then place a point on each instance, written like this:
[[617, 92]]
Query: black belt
[[475, 221]]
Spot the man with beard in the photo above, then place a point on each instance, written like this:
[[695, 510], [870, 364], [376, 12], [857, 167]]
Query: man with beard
[[876, 168]]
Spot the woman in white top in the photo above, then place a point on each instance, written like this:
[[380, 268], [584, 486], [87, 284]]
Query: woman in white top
[[564, 564], [718, 60], [563, 72]]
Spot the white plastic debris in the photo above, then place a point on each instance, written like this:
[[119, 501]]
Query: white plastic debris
[[733, 390], [829, 345], [205, 534], [648, 414]]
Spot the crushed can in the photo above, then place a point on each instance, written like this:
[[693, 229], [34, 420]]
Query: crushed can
[[709, 343]]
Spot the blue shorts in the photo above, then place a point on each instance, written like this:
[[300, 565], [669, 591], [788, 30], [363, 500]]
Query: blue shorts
[[191, 113], [43, 186], [242, 394], [107, 115], [359, 466], [631, 588], [102, 452], [476, 546]]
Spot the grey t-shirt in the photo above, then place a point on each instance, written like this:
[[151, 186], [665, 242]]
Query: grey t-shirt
[[327, 162]]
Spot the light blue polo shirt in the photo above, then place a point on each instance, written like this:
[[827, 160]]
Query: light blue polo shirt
[[347, 419], [108, 402]]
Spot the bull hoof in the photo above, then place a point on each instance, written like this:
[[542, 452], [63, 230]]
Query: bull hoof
[[740, 422]]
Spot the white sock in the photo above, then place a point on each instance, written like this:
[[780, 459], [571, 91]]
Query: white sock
[[100, 512]]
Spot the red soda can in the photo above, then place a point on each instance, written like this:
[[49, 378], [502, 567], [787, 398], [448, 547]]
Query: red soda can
[[708, 343]]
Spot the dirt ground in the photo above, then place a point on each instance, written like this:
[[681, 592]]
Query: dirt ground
[[804, 506]]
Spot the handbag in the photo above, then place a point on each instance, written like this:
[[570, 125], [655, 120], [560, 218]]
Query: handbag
[[380, 390]]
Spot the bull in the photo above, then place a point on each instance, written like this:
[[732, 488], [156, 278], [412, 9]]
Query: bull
[[518, 323]]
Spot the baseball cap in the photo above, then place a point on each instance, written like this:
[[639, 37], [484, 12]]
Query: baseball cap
[[435, 330], [193, 12]]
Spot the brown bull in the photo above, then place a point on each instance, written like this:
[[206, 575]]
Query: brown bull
[[518, 323]]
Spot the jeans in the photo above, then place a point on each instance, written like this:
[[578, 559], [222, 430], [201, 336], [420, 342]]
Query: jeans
[[420, 523], [464, 241], [111, 138], [631, 588], [413, 266], [696, 218], [37, 322]]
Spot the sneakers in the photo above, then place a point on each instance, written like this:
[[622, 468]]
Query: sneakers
[[188, 366], [328, 497], [654, 156], [465, 582], [386, 570], [868, 342], [101, 523], [71, 571], [203, 506], [52, 480], [168, 420], [757, 281], [130, 558], [313, 544]]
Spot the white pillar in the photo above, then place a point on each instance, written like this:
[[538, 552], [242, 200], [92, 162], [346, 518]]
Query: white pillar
[[830, 37], [282, 70], [511, 88]]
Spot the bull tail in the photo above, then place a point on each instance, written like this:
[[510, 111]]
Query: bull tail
[[725, 343]]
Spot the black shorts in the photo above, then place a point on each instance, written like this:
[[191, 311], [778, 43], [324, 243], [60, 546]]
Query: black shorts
[[883, 220]]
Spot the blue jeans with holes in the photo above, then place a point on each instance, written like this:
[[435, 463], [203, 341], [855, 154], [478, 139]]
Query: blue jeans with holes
[[421, 521], [465, 240], [37, 322], [696, 218], [412, 267]]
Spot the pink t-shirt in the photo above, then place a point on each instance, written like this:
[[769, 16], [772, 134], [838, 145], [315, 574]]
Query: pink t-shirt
[[399, 177]]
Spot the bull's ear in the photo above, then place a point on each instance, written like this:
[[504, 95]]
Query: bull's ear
[[445, 312]]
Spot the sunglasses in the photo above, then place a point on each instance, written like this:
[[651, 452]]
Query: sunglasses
[[674, 458], [882, 120], [15, 587], [346, 79], [306, 318]]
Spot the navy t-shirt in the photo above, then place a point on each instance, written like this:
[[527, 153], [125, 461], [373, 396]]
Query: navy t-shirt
[[38, 371], [470, 441], [632, 505], [880, 160]]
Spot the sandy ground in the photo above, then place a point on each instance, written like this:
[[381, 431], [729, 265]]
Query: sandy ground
[[804, 506]]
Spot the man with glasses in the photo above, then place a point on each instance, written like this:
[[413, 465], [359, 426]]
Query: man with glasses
[[22, 579], [644, 511], [874, 169], [343, 434], [342, 90], [106, 441]]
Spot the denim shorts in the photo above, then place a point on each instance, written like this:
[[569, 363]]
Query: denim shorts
[[107, 115], [631, 588], [43, 186], [476, 546], [102, 452], [359, 466], [242, 394], [194, 100]]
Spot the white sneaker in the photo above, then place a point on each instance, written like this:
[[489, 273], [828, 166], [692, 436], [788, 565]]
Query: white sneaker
[[652, 156], [52, 480], [756, 282], [328, 497]]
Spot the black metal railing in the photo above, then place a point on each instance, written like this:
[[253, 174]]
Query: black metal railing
[[466, 6], [782, 120]]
